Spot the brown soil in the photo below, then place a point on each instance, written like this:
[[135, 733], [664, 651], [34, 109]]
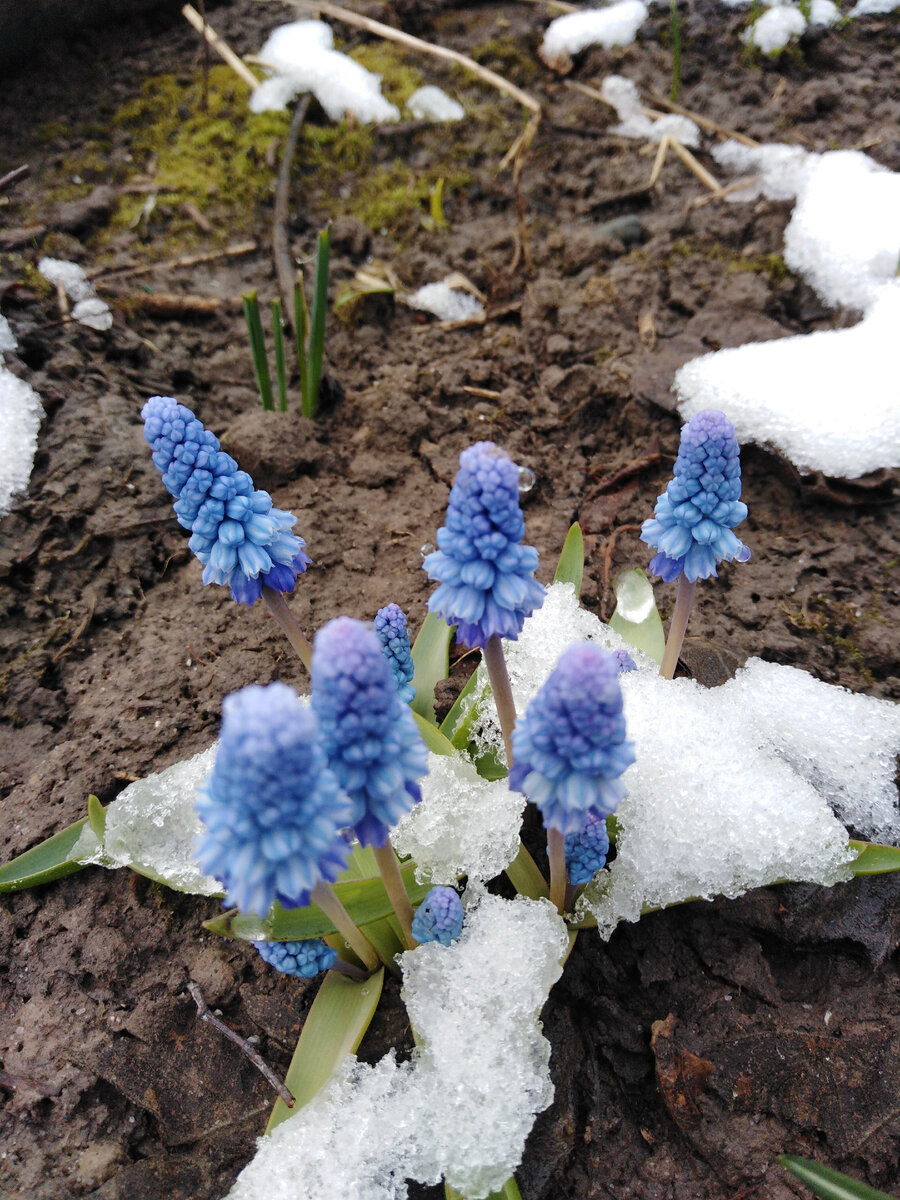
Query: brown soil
[[695, 1046]]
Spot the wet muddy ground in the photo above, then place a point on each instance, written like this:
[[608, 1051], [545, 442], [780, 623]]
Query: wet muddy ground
[[692, 1048]]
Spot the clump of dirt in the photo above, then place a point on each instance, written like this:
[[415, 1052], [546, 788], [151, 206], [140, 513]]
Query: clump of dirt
[[696, 1045]]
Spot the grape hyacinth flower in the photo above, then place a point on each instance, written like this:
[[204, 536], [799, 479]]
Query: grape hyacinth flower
[[691, 527], [390, 625], [439, 918], [367, 733], [272, 807], [570, 750], [242, 540], [304, 959], [487, 585], [586, 851]]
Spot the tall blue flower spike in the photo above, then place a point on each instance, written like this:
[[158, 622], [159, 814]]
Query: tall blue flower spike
[[235, 532], [439, 918], [272, 808], [390, 625], [569, 749], [487, 585], [691, 527], [305, 959], [586, 851], [368, 734]]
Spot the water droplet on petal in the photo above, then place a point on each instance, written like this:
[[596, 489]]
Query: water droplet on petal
[[426, 549], [526, 480], [364, 991], [634, 596]]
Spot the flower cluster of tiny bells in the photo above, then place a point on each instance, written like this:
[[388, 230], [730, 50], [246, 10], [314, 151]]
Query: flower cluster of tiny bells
[[295, 782]]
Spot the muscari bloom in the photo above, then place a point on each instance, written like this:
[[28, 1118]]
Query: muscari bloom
[[367, 733], [304, 959], [586, 850], [691, 526], [487, 584], [569, 750], [235, 532], [390, 625], [272, 807], [439, 918]]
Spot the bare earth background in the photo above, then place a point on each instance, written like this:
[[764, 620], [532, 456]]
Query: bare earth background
[[693, 1047]]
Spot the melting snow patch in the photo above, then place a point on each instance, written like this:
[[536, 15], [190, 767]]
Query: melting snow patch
[[774, 29], [829, 401], [432, 104], [7, 337], [153, 824], [463, 825], [777, 169], [464, 1105], [89, 309], [623, 95], [615, 25], [20, 420], [302, 57], [446, 302], [871, 8]]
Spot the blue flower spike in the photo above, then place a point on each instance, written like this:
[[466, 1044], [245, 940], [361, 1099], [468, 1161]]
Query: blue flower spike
[[241, 539], [272, 807], [586, 852], [371, 741], [570, 750], [439, 918], [691, 527], [303, 959], [390, 625], [487, 585]]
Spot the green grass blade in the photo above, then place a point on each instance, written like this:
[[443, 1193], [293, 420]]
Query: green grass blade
[[525, 876], [827, 1183], [433, 738], [436, 205], [43, 863], [301, 332], [96, 818], [460, 737], [636, 618], [431, 660], [340, 1015], [383, 935], [570, 567], [280, 367], [874, 859], [318, 312], [364, 899], [258, 350]]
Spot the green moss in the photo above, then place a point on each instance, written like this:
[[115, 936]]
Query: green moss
[[389, 60], [49, 131], [772, 265], [509, 57], [835, 615]]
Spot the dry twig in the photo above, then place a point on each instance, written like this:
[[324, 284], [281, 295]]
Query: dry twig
[[285, 269], [220, 46], [171, 264]]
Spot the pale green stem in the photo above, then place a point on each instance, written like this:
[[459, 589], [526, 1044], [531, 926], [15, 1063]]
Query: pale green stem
[[323, 894], [677, 627], [556, 850], [393, 885], [288, 625], [502, 689]]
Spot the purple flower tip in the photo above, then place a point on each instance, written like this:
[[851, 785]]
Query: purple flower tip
[[305, 959], [487, 585], [691, 527], [439, 918], [586, 851], [390, 625]]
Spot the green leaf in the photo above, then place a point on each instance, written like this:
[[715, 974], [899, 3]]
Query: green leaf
[[280, 365], [364, 899], [460, 737], [301, 333], [45, 862], [525, 876], [827, 1183], [636, 618], [384, 935], [570, 567], [431, 659], [436, 206], [874, 859], [96, 817], [318, 312], [340, 1015], [258, 350], [509, 1191], [433, 738]]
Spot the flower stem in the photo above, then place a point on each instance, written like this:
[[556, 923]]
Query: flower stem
[[393, 885], [323, 895], [500, 685], [288, 625], [677, 626], [556, 849]]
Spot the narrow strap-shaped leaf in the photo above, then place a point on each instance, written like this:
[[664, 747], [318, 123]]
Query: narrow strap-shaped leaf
[[258, 350], [318, 312], [364, 899], [96, 817], [509, 1191], [828, 1183], [431, 660], [280, 364], [636, 618], [874, 859], [43, 863], [385, 934], [460, 736], [432, 737], [340, 1015], [525, 876], [301, 332], [570, 567]]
